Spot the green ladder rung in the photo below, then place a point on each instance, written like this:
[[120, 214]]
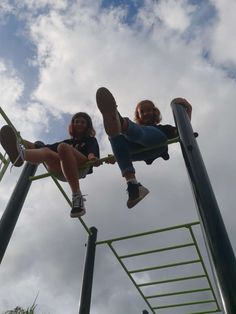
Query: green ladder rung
[[171, 280], [206, 312], [177, 293], [158, 250], [183, 304], [164, 266]]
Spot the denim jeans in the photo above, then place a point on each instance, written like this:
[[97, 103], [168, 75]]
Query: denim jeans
[[136, 137]]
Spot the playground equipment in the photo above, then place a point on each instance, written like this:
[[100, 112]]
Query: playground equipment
[[219, 249]]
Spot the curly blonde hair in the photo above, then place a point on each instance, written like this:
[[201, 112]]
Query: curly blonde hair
[[156, 112]]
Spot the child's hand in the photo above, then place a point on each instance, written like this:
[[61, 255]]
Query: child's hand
[[96, 161], [183, 102], [110, 160]]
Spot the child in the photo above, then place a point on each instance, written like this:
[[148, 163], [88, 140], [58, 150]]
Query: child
[[127, 137], [63, 159]]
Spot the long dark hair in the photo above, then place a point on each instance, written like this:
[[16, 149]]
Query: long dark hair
[[90, 129]]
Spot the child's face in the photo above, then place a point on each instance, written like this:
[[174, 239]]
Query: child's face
[[80, 125], [146, 113]]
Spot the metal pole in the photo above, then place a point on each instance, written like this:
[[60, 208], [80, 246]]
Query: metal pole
[[13, 209], [217, 242], [85, 299]]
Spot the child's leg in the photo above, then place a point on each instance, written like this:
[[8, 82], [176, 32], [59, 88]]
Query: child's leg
[[144, 135], [44, 155], [114, 124], [71, 160], [122, 150]]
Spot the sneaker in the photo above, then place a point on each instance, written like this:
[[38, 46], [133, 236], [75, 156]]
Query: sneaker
[[136, 193], [10, 143], [78, 208], [107, 105]]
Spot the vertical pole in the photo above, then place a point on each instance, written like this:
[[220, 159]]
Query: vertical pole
[[217, 242], [85, 299], [14, 206]]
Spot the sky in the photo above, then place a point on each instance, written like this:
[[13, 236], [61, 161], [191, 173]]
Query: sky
[[54, 55]]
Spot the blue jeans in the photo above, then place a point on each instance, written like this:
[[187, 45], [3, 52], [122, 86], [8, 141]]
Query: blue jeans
[[136, 137]]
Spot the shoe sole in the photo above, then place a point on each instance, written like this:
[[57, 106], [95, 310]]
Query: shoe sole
[[107, 105], [77, 215], [8, 141], [133, 203]]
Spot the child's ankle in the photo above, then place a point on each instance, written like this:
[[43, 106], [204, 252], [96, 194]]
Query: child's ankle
[[132, 180]]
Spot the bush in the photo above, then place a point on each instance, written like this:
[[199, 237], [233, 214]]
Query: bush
[[20, 310]]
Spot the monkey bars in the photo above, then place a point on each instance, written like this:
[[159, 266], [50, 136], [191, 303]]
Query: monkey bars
[[198, 286]]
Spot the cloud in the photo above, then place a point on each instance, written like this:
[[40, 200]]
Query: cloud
[[174, 15], [222, 46], [81, 46], [11, 87]]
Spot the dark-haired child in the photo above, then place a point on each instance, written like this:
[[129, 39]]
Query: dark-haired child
[[64, 159]]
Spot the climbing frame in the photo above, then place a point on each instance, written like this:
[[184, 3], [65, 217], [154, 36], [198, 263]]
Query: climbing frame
[[169, 277]]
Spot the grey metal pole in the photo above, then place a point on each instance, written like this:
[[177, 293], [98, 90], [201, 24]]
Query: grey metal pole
[[14, 206], [86, 293], [217, 242]]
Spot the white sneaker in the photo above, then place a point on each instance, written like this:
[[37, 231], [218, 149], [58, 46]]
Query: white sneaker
[[78, 208]]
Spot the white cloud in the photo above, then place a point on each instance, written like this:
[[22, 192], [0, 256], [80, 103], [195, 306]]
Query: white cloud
[[223, 48], [11, 87], [78, 50], [176, 15]]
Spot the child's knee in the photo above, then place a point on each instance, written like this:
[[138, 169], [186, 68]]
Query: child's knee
[[63, 149]]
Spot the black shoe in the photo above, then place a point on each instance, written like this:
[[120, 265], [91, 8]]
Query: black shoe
[[11, 145], [136, 193], [78, 208], [107, 105]]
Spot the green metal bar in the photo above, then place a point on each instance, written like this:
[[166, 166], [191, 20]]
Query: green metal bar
[[206, 312], [149, 233], [170, 280], [203, 265], [163, 266], [49, 174], [4, 169], [176, 293], [5, 117], [168, 142], [2, 157], [157, 250], [104, 159], [41, 176], [183, 304], [130, 277]]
